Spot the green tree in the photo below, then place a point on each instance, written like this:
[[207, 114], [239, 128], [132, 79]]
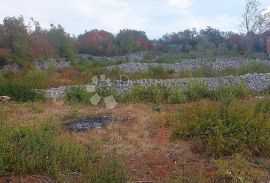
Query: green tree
[[62, 41], [16, 38], [212, 35], [132, 40]]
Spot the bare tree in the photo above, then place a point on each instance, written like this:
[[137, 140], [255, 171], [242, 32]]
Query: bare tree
[[255, 20]]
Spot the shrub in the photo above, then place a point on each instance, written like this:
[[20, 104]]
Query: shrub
[[238, 168], [263, 106], [156, 72], [197, 90], [176, 96], [234, 91], [19, 91], [109, 170], [267, 91], [226, 94], [78, 94], [36, 79], [254, 68], [2, 77], [224, 130], [187, 124], [136, 94], [157, 107], [40, 149], [156, 94]]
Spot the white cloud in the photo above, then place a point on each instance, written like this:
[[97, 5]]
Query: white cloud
[[223, 22], [156, 17], [112, 15], [182, 4], [268, 8], [182, 7]]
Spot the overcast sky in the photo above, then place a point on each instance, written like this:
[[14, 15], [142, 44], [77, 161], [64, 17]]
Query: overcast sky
[[155, 17]]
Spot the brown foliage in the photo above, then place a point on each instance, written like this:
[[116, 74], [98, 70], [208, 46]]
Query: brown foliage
[[97, 42], [5, 55], [40, 46]]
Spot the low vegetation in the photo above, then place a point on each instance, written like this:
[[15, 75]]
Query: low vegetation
[[41, 148], [163, 133], [225, 127], [250, 68], [19, 91], [78, 94], [195, 91]]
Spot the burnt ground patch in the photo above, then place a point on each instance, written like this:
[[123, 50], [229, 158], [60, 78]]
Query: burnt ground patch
[[91, 123]]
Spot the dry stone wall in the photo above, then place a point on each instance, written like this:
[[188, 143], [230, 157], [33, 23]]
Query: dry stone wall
[[189, 65], [255, 82]]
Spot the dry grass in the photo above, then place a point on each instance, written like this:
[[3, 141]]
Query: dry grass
[[66, 77], [140, 138]]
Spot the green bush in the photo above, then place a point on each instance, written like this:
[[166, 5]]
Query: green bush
[[239, 168], [109, 170], [40, 149], [136, 94], [2, 76], [267, 91], [172, 58], [197, 90], [234, 91], [36, 79], [224, 130], [254, 68], [176, 96], [156, 72], [155, 94], [209, 72], [78, 94], [263, 106], [19, 91]]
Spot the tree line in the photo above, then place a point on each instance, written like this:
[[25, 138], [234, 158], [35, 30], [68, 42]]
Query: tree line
[[21, 43]]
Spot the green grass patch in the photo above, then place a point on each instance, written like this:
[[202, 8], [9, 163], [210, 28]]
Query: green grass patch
[[19, 91], [225, 128], [40, 148]]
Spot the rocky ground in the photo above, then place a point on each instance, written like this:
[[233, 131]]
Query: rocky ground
[[189, 65]]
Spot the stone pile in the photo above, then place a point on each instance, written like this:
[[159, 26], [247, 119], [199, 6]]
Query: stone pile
[[15, 68], [131, 57], [255, 82], [54, 63], [189, 65]]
